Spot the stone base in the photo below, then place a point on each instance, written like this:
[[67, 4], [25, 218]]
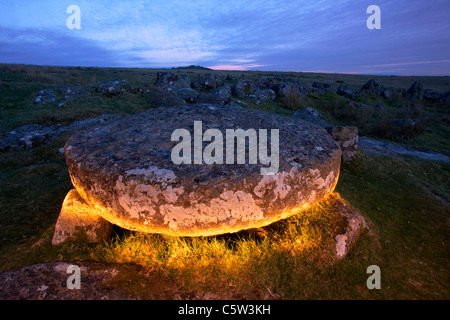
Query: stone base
[[347, 137], [79, 222], [356, 224]]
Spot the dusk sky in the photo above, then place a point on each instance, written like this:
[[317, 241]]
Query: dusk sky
[[295, 35]]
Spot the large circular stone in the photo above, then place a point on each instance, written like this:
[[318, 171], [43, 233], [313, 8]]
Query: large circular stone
[[125, 169]]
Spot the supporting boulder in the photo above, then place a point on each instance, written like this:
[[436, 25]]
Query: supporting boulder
[[79, 222], [347, 138], [356, 224]]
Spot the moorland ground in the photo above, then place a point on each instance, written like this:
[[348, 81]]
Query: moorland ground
[[402, 198]]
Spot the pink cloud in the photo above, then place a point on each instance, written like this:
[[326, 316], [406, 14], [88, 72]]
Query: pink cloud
[[235, 67]]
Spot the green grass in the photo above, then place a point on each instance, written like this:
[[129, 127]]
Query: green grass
[[291, 259], [336, 111]]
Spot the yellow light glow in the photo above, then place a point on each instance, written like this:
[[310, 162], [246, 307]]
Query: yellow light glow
[[126, 223]]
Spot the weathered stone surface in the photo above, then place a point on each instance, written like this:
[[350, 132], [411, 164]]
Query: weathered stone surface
[[262, 95], [165, 98], [79, 222], [72, 92], [172, 81], [287, 88], [48, 281], [210, 98], [223, 92], [126, 169], [372, 86], [431, 95], [264, 82], [27, 137], [45, 96], [356, 224], [187, 94], [347, 137], [207, 81], [34, 135], [243, 88], [110, 88], [415, 92], [99, 281], [311, 115], [344, 91]]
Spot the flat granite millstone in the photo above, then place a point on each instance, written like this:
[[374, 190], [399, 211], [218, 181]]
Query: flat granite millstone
[[125, 168]]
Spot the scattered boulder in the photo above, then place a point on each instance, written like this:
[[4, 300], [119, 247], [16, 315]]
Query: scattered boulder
[[45, 96], [165, 98], [172, 80], [305, 90], [386, 93], [311, 115], [415, 92], [262, 95], [188, 94], [266, 82], [110, 88], [431, 96], [133, 89], [372, 86], [64, 103], [137, 90], [344, 91], [48, 281], [319, 87], [243, 88], [27, 137], [34, 135], [207, 81], [393, 95], [71, 92], [284, 89], [223, 92]]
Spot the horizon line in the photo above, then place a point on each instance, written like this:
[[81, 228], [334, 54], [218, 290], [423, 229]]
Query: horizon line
[[239, 70]]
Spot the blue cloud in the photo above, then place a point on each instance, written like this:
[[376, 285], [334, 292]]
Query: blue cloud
[[271, 35], [35, 46]]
